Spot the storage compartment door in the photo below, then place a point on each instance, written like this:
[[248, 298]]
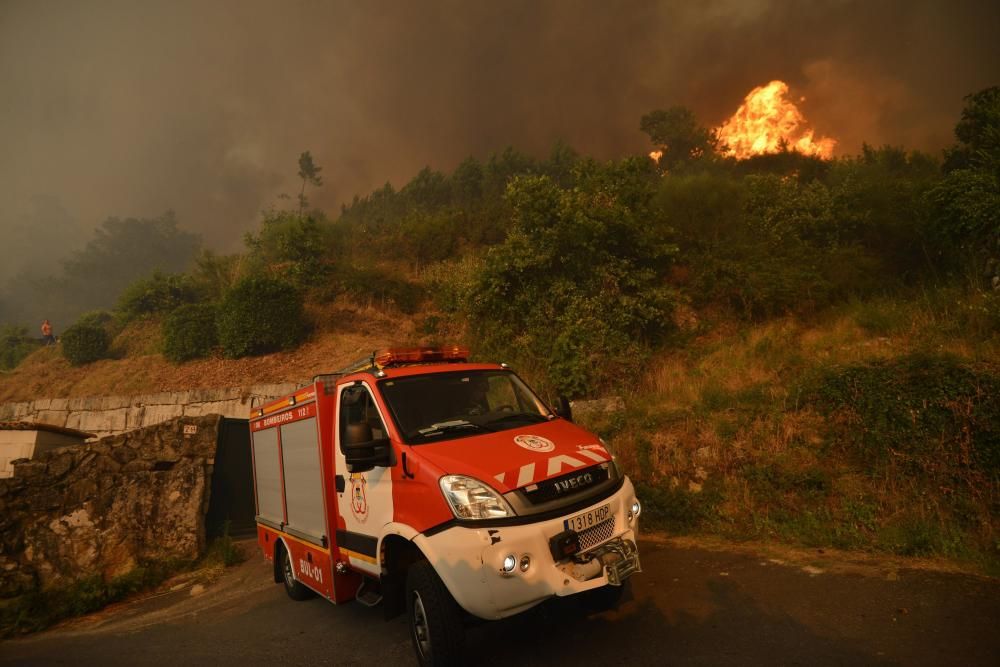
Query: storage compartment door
[[267, 475], [303, 480]]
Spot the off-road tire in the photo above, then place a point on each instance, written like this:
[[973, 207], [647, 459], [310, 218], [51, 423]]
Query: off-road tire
[[295, 589], [436, 621]]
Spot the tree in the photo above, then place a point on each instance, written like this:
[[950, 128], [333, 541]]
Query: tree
[[467, 182], [676, 132], [157, 293], [15, 345], [967, 201], [577, 288], [120, 251], [427, 190], [978, 133], [559, 167], [309, 173], [125, 249], [296, 242]]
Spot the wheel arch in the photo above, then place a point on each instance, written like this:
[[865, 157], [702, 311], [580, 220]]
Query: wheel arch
[[396, 552], [279, 544]]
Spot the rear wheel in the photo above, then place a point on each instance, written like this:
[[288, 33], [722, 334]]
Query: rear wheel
[[295, 589], [436, 623]]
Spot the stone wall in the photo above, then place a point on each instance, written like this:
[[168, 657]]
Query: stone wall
[[106, 506], [109, 415]]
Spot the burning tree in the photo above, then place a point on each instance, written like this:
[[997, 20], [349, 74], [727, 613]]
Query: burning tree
[[678, 136], [768, 122]]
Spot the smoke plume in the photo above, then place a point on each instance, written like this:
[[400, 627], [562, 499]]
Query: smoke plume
[[131, 109]]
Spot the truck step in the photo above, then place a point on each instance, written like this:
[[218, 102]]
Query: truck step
[[368, 598]]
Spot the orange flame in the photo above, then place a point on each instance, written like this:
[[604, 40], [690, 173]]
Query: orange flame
[[655, 156], [768, 122]]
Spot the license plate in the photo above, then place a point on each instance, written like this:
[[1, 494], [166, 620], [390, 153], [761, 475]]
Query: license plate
[[588, 519]]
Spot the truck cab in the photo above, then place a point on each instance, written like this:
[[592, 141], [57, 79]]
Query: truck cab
[[439, 488]]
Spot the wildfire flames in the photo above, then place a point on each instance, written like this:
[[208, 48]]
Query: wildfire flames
[[767, 122]]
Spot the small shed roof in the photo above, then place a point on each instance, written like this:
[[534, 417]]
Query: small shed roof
[[38, 426]]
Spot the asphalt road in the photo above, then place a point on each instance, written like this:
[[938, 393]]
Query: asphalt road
[[694, 604]]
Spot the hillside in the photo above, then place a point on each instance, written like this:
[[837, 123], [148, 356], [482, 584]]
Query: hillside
[[807, 349], [341, 334], [872, 427]]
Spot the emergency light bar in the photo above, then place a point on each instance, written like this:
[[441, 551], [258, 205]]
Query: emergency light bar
[[398, 356], [417, 355]]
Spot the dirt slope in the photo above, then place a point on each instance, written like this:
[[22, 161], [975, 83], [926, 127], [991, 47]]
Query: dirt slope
[[341, 334]]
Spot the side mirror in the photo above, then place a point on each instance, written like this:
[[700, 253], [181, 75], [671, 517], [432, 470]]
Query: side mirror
[[362, 452], [365, 455], [563, 408]]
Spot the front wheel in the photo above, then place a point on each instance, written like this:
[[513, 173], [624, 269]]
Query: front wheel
[[295, 589], [436, 624]]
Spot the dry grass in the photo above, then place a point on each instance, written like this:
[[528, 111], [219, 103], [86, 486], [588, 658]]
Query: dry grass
[[343, 332], [716, 435], [731, 393]]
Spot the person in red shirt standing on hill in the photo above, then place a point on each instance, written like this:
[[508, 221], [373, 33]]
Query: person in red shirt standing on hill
[[47, 336]]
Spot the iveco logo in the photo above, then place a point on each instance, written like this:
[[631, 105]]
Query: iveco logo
[[564, 485]]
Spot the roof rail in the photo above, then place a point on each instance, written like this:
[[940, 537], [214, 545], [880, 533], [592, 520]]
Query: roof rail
[[397, 356], [356, 366]]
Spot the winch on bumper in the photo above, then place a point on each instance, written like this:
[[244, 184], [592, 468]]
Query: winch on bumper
[[494, 572]]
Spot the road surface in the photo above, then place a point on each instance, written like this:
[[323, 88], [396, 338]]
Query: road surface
[[695, 603]]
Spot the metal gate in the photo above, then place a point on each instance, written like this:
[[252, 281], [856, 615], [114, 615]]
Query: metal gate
[[231, 502]]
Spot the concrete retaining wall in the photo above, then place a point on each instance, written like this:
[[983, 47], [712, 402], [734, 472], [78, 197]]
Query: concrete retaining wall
[[110, 415]]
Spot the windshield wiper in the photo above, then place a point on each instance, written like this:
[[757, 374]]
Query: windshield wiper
[[529, 417], [445, 427]]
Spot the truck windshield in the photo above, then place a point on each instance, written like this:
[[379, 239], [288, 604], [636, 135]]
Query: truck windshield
[[443, 406]]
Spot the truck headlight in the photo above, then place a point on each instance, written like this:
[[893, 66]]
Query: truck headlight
[[471, 499]]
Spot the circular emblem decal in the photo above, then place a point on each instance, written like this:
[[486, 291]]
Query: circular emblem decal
[[359, 499], [534, 443]]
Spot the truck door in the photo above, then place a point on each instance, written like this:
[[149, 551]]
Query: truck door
[[365, 501]]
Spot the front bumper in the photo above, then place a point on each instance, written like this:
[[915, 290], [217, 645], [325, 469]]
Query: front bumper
[[470, 559]]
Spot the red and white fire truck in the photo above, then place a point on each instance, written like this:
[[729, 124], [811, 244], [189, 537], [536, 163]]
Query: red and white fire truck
[[441, 488]]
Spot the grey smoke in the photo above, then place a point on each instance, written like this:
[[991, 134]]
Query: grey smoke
[[132, 108]]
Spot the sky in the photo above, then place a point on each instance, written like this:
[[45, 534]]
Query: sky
[[133, 108]]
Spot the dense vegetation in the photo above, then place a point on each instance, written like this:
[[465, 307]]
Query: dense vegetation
[[85, 343], [260, 315], [808, 348]]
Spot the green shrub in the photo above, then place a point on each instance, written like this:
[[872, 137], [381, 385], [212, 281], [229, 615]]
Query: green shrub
[[38, 610], [159, 293], [15, 345], [577, 289], [97, 318], [295, 242], [223, 550], [677, 510], [85, 343], [932, 413], [190, 332], [881, 318], [260, 315], [370, 284]]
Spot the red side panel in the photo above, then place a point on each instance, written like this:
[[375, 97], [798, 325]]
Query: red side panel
[[313, 564]]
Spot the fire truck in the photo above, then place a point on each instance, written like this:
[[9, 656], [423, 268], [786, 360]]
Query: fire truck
[[440, 488]]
